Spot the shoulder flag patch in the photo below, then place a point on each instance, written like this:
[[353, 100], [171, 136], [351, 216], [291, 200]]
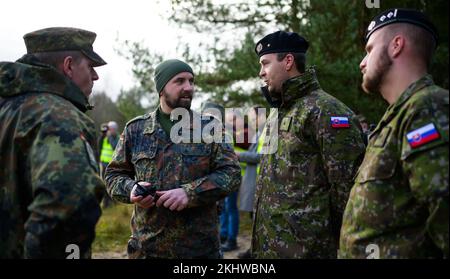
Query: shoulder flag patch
[[339, 122], [422, 135]]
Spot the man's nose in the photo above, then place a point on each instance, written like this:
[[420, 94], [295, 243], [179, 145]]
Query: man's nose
[[363, 63], [94, 75], [188, 86], [261, 72]]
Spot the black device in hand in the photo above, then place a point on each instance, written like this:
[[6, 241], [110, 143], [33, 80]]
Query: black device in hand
[[144, 191]]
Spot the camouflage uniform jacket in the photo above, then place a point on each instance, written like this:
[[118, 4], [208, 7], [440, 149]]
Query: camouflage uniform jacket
[[400, 198], [49, 186], [207, 172], [303, 187]]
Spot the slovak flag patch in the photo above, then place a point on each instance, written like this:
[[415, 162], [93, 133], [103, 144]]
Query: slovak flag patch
[[422, 135], [339, 122]]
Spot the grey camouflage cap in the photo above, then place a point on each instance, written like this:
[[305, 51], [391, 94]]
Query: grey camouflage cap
[[63, 38]]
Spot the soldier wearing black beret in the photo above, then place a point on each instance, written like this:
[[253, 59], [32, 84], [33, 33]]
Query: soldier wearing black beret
[[398, 207], [304, 185]]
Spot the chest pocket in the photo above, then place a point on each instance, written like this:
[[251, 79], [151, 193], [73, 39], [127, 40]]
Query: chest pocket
[[145, 164], [196, 160], [195, 149], [380, 160]]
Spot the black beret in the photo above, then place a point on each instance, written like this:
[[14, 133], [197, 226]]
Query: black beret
[[281, 41], [401, 15]]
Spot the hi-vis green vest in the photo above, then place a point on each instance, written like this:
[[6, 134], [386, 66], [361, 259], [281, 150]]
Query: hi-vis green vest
[[260, 146], [107, 151], [262, 138], [243, 164]]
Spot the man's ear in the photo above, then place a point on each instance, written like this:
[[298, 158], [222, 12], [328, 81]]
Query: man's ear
[[289, 62], [397, 46], [67, 66]]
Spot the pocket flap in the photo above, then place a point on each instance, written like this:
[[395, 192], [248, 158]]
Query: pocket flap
[[378, 164], [148, 154], [200, 149]]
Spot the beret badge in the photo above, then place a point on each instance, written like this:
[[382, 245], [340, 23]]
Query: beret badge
[[371, 25], [259, 47]]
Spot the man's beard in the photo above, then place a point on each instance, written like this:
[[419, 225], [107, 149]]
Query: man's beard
[[372, 83], [179, 102]]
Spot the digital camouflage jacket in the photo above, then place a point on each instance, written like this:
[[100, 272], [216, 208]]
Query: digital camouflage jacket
[[303, 187], [398, 207]]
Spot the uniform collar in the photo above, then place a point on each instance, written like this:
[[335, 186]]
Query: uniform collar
[[28, 74], [392, 110], [151, 124], [425, 81], [294, 88]]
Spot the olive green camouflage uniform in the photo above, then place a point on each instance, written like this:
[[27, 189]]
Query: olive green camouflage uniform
[[303, 187], [206, 171], [399, 202], [49, 183]]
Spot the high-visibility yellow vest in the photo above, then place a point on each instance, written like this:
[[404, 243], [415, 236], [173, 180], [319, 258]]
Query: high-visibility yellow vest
[[261, 138], [243, 164], [260, 146], [107, 151]]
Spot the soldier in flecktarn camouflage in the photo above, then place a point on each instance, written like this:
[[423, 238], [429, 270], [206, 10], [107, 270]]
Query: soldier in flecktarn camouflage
[[398, 207], [49, 183], [178, 218], [303, 186]]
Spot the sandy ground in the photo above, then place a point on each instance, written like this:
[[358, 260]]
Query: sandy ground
[[243, 245]]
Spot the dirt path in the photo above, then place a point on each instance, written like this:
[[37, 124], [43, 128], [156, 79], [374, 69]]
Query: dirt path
[[243, 245], [109, 255]]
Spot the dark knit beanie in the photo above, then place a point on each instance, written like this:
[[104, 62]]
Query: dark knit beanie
[[166, 70]]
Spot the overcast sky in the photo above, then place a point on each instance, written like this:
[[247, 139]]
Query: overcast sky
[[134, 20]]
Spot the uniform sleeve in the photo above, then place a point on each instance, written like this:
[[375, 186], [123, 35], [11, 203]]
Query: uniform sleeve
[[342, 151], [66, 190], [426, 165], [224, 178], [99, 149], [113, 141], [249, 157], [119, 174]]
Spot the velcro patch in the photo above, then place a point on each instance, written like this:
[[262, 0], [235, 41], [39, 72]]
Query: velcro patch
[[339, 122], [422, 135], [90, 153]]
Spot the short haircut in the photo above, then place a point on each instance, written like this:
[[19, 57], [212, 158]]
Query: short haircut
[[422, 40], [299, 59], [55, 58]]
